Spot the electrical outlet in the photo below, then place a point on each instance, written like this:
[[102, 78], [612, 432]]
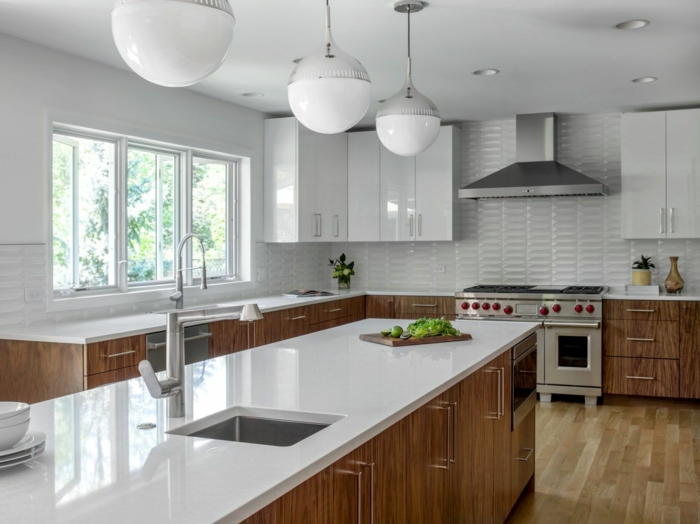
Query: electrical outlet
[[262, 275], [439, 268], [33, 294]]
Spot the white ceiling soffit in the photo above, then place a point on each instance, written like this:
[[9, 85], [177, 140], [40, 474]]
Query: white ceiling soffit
[[553, 55]]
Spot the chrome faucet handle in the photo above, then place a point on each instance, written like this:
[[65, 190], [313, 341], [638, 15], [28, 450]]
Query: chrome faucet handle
[[176, 296], [156, 388]]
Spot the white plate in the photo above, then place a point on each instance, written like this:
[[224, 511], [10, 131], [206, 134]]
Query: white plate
[[26, 453], [10, 409], [13, 463], [31, 439], [14, 434]]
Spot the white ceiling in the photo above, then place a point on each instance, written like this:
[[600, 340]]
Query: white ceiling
[[554, 55]]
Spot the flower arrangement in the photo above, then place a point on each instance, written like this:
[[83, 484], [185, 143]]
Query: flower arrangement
[[342, 271]]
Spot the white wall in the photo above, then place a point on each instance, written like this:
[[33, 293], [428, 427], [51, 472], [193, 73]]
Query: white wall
[[35, 79]]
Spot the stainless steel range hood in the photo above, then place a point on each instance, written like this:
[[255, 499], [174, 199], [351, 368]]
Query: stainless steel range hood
[[536, 173]]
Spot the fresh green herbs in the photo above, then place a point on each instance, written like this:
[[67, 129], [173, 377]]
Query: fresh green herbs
[[432, 327]]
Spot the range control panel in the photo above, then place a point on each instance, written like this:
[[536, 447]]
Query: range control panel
[[518, 308]]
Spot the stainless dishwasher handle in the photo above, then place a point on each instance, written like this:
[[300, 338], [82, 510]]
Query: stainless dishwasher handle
[[121, 354], [160, 345]]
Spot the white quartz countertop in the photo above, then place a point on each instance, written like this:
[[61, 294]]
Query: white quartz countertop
[[108, 328], [100, 468], [620, 294]]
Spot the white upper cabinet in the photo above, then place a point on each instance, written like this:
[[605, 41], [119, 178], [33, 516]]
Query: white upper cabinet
[[437, 184], [306, 183], [395, 198], [644, 175], [660, 179], [683, 173], [363, 186]]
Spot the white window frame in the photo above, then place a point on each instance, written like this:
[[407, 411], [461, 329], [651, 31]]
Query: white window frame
[[241, 235]]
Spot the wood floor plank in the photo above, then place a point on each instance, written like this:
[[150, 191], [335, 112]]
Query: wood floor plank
[[622, 462]]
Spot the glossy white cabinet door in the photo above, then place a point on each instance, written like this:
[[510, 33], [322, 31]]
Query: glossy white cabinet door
[[309, 221], [683, 173], [644, 175], [363, 186], [397, 196], [436, 191], [332, 187], [281, 189]]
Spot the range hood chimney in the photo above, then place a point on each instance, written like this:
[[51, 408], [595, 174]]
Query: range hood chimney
[[536, 173]]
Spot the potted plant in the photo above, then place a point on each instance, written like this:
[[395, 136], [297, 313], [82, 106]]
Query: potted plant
[[641, 271], [342, 271]]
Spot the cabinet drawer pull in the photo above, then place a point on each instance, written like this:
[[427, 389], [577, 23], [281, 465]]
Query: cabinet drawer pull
[[453, 407], [297, 318], [640, 310], [423, 305], [502, 407], [639, 378], [640, 339], [121, 354], [447, 408], [372, 489], [529, 450], [661, 215], [358, 476], [333, 310], [497, 414]]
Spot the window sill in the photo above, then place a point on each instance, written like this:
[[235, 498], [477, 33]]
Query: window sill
[[139, 296]]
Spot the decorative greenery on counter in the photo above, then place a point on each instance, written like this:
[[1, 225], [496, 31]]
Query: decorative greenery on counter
[[432, 327], [342, 271], [643, 263]]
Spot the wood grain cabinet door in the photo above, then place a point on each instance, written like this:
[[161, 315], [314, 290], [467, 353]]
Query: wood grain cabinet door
[[523, 455], [641, 310], [502, 453], [648, 377], [690, 350], [641, 338], [379, 306], [114, 354], [228, 336], [428, 307], [268, 330], [353, 487], [295, 322], [390, 469]]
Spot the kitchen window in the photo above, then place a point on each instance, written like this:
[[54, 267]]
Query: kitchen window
[[121, 205]]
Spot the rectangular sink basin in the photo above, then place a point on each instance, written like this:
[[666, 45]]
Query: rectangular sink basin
[[265, 427]]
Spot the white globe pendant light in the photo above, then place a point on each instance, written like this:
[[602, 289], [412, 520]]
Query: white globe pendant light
[[408, 123], [173, 43], [329, 90]]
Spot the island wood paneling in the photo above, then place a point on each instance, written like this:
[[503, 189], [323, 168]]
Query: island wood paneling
[[37, 371], [110, 377], [643, 310], [390, 483], [418, 306], [690, 350], [650, 377], [228, 336], [102, 356], [639, 338], [268, 330]]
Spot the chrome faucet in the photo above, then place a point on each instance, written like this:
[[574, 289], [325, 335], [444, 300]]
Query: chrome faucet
[[172, 387], [178, 297]]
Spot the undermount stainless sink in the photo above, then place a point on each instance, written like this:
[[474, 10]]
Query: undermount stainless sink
[[266, 427]]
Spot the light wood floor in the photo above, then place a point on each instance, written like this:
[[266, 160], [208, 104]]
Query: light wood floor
[[619, 464]]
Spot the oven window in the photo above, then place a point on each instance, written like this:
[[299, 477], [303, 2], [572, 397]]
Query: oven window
[[524, 378], [573, 352]]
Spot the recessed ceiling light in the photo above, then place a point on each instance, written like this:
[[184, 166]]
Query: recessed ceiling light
[[254, 94], [297, 60], [486, 72], [645, 80], [637, 23]]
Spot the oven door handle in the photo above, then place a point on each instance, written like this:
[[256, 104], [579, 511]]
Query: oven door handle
[[594, 325], [522, 356]]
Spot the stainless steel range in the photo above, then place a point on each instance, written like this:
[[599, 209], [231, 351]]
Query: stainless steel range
[[570, 356]]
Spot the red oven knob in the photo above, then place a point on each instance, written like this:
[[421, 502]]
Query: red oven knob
[[556, 308], [475, 305], [507, 310], [496, 306], [465, 305], [590, 308], [578, 308], [485, 306], [544, 310]]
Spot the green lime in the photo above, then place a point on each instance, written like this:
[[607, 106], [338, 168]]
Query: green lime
[[386, 332], [397, 332]]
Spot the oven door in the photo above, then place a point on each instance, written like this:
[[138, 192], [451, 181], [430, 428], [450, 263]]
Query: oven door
[[524, 384], [573, 354]]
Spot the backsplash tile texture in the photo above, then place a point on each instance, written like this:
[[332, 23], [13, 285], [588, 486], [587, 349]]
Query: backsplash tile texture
[[533, 241]]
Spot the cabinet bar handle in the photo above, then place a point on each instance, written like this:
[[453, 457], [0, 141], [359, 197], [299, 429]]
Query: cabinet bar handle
[[358, 476], [640, 310], [337, 225], [497, 414], [372, 486], [122, 354], [420, 225], [453, 407], [661, 227], [641, 339], [503, 392], [320, 225], [640, 378], [670, 211], [297, 318], [423, 305], [410, 226], [448, 408], [333, 310], [529, 450]]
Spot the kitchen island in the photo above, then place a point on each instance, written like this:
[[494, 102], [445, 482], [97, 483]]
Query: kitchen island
[[99, 467]]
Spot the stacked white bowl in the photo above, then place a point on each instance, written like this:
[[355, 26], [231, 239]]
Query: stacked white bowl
[[14, 423]]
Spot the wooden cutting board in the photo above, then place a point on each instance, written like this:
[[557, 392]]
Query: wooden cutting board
[[378, 338]]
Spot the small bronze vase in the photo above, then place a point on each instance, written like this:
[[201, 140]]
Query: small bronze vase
[[674, 281]]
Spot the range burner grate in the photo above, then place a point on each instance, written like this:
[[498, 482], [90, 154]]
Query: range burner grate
[[583, 290], [497, 289]]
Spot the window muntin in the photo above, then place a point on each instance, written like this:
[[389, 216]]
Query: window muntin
[[84, 222]]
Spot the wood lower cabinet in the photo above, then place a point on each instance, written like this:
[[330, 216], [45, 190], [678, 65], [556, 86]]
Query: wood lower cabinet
[[390, 457], [638, 338], [650, 377], [502, 457], [268, 330], [228, 336], [296, 322], [110, 377], [418, 306], [379, 306], [690, 350], [114, 354], [523, 456], [644, 310]]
